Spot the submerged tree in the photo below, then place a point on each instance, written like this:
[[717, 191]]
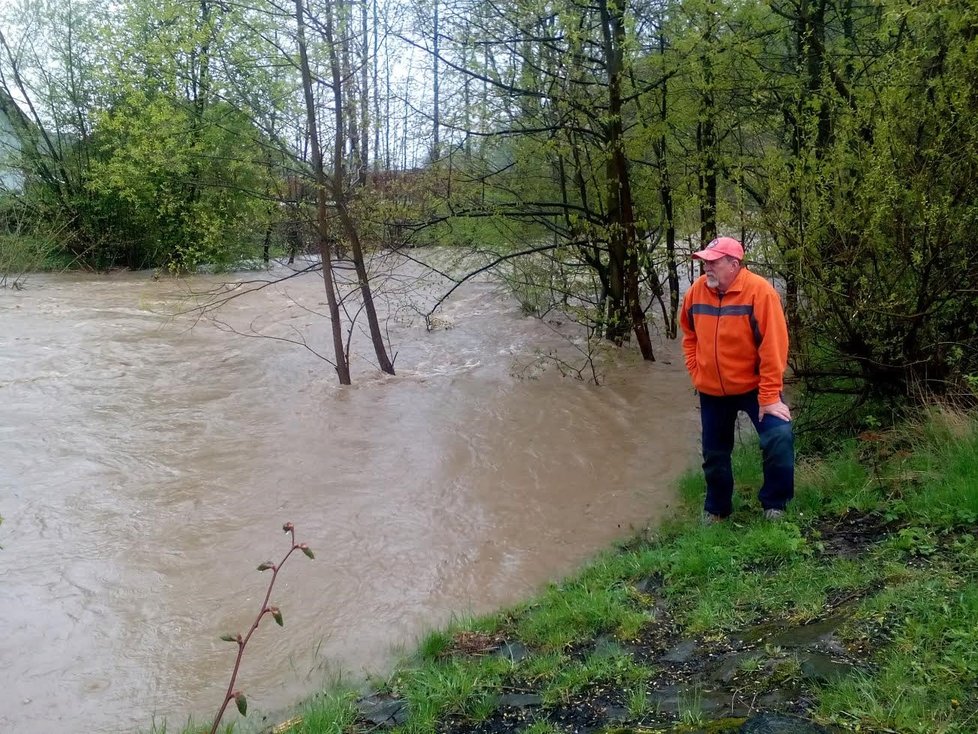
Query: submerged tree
[[560, 90]]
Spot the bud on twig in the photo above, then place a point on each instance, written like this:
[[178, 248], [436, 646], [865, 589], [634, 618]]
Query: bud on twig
[[235, 695]]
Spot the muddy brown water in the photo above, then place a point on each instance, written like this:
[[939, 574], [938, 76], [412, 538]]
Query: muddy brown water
[[146, 468]]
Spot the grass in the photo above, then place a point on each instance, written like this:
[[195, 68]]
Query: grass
[[459, 686], [578, 611], [930, 667], [333, 713], [910, 599], [607, 665], [638, 701], [691, 708], [541, 727]]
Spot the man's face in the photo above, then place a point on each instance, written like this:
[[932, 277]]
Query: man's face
[[721, 273]]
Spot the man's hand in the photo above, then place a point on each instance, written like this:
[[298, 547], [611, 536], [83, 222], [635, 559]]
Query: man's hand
[[778, 410]]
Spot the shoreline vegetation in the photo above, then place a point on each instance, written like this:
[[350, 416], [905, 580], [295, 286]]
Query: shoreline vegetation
[[858, 612]]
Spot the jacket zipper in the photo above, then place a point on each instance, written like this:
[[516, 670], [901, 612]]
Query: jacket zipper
[[716, 343]]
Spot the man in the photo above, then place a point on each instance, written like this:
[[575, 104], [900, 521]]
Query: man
[[735, 341]]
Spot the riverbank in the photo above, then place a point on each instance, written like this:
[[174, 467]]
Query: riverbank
[[857, 612]]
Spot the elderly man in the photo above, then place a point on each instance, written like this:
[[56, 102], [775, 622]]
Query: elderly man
[[735, 341]]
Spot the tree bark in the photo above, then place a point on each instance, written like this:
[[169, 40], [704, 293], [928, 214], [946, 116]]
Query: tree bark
[[623, 243], [342, 365], [342, 208], [666, 200], [706, 143], [436, 84], [364, 96]]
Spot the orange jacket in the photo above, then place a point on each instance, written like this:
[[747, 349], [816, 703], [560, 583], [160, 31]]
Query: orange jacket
[[736, 342]]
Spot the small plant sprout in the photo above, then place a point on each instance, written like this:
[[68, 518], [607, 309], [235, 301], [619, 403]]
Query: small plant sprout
[[638, 701], [235, 695]]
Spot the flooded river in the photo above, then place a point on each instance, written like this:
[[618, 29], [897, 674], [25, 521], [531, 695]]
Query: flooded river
[[147, 467]]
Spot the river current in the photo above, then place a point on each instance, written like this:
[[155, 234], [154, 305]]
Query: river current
[[149, 458]]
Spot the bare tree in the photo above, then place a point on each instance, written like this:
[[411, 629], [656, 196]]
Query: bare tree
[[342, 363], [341, 202]]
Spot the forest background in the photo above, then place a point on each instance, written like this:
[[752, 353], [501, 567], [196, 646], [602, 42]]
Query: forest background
[[581, 149]]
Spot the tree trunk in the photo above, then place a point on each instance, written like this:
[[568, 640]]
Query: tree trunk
[[364, 96], [342, 365], [436, 83], [666, 200], [623, 243], [346, 221], [200, 81], [467, 97], [706, 138], [375, 65]]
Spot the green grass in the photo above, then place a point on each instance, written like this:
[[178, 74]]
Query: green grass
[[541, 727], [434, 645], [333, 713], [691, 707], [456, 685], [578, 611], [934, 482], [604, 666], [927, 673], [912, 599], [639, 703]]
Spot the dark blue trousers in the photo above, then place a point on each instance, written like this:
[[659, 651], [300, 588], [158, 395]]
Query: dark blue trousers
[[719, 416]]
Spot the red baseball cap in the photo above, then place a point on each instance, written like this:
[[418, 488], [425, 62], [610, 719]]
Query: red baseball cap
[[720, 247]]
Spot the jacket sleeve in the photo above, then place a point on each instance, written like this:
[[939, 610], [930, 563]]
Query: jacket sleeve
[[689, 335], [773, 352]]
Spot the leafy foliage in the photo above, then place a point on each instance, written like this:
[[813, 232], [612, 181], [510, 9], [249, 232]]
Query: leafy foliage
[[161, 201]]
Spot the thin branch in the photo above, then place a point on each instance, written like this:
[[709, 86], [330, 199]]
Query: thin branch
[[489, 266]]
